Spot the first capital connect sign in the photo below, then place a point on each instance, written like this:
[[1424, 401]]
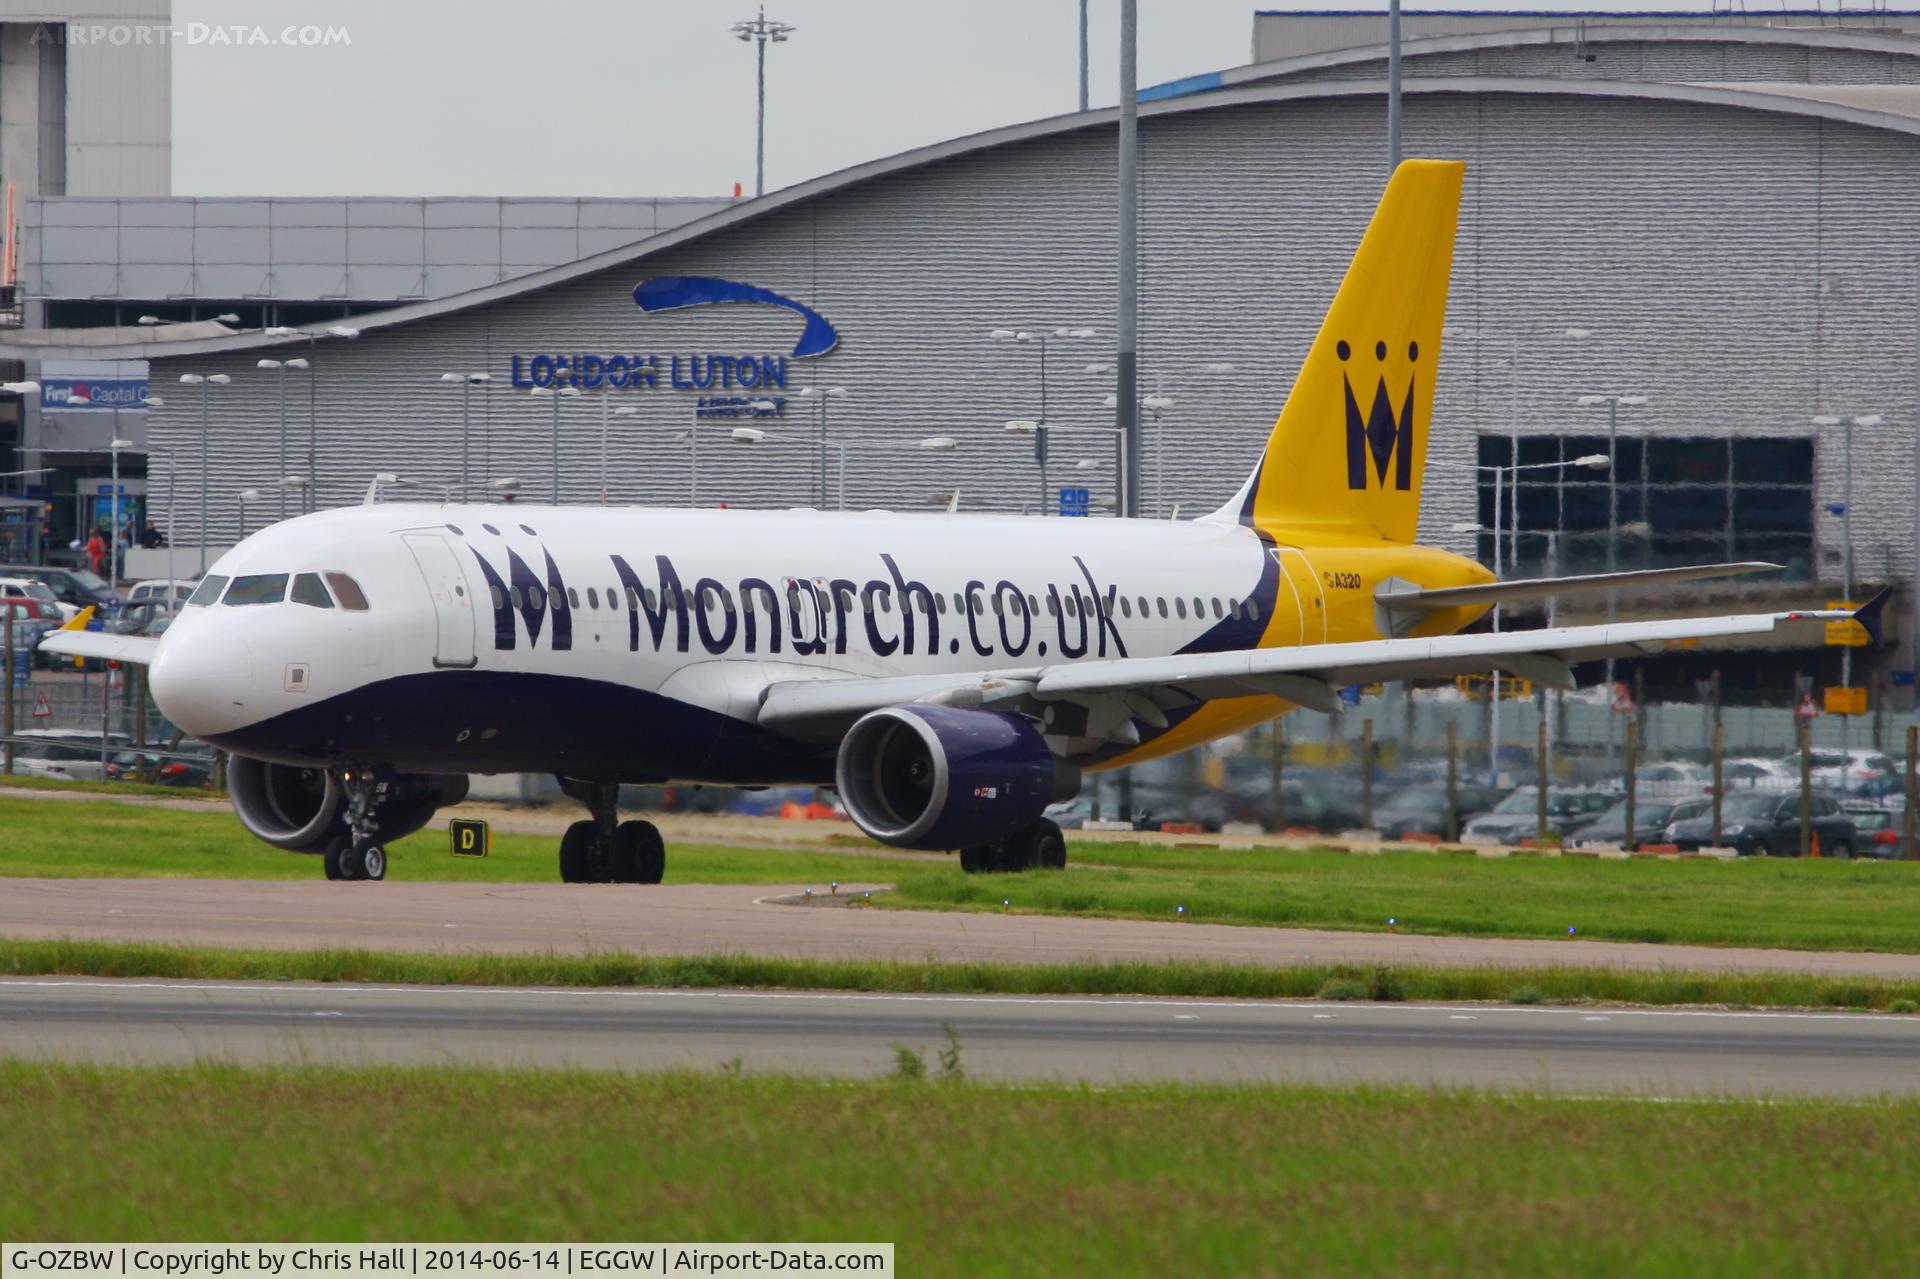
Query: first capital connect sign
[[692, 371]]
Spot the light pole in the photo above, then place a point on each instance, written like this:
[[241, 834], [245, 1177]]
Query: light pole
[[759, 30], [173, 477], [245, 496], [556, 394], [113, 519], [1502, 477], [758, 435], [280, 367], [1613, 403], [819, 396], [1041, 425], [1844, 509], [466, 382], [206, 457]]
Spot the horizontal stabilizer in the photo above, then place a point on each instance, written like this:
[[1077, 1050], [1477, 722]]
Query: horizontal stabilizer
[[1400, 596], [138, 649]]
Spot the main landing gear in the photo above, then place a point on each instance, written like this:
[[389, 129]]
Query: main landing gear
[[358, 854], [1036, 847], [606, 850]]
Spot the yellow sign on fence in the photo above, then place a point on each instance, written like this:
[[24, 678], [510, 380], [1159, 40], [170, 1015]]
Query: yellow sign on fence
[[1842, 700], [1848, 634]]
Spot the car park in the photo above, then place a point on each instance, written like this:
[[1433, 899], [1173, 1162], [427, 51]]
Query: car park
[[1517, 817], [70, 754], [1768, 825], [188, 770]]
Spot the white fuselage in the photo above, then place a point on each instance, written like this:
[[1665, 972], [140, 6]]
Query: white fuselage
[[637, 642]]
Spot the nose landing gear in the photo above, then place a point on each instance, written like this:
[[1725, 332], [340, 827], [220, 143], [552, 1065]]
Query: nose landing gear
[[606, 850], [358, 854]]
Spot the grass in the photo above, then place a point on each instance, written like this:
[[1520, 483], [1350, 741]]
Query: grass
[[1184, 979], [965, 1179], [28, 781], [134, 841], [1772, 902], [1769, 902]]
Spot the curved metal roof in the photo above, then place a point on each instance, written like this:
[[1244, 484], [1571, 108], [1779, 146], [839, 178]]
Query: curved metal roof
[[1749, 98], [1833, 38]]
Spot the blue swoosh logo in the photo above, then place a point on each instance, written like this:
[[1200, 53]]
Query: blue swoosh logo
[[671, 292]]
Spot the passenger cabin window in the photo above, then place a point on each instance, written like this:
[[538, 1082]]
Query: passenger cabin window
[[593, 598], [256, 588], [208, 591], [348, 592], [308, 589]]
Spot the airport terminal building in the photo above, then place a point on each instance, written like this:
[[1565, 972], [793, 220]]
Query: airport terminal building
[[1699, 228]]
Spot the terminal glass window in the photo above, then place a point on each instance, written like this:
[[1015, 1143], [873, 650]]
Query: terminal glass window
[[1671, 500]]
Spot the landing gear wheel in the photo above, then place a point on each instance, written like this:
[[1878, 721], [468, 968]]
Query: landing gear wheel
[[1052, 846], [334, 855], [373, 862], [577, 849], [639, 854], [980, 859], [350, 865], [1036, 847]]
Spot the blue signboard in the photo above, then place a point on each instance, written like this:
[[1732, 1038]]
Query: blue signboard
[[1350, 696], [1076, 501], [708, 371], [22, 665], [99, 394], [1903, 679]]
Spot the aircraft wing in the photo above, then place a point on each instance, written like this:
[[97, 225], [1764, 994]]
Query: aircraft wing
[[1309, 675], [138, 649]]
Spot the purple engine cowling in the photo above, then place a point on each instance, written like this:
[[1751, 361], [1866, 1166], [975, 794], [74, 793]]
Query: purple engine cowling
[[939, 777]]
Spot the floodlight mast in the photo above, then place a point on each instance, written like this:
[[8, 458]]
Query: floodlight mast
[[759, 30]]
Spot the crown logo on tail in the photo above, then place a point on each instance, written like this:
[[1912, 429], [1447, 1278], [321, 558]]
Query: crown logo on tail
[[1381, 434]]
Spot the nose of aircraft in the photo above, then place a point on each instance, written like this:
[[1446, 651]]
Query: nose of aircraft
[[202, 681]]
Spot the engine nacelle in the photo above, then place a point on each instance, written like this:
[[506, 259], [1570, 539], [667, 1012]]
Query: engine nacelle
[[300, 809], [940, 777]]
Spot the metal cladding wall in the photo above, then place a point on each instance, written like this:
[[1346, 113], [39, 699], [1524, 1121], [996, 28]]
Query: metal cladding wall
[[1744, 269]]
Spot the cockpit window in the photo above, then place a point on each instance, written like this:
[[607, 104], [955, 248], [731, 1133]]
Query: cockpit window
[[256, 588], [347, 591], [209, 590], [309, 590]]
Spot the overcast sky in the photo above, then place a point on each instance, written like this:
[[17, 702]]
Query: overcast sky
[[648, 97]]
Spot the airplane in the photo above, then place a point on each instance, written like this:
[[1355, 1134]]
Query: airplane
[[951, 676]]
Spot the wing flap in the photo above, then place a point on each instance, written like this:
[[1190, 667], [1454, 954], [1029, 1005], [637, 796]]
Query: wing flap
[[1305, 675], [1426, 601]]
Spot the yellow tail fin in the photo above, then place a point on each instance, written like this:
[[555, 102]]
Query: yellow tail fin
[[1345, 459]]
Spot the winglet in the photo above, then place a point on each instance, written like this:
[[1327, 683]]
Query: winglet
[[1868, 615], [80, 619]]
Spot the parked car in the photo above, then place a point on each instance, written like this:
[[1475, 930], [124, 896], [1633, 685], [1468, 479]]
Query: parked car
[[75, 586], [1422, 810], [1879, 832], [194, 773], [150, 616], [1757, 774], [1517, 817], [71, 753], [1650, 818], [33, 620], [34, 588], [160, 588], [1763, 825], [1854, 772]]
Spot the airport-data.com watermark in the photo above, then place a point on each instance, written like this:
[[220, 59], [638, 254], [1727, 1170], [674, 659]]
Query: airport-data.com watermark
[[230, 35]]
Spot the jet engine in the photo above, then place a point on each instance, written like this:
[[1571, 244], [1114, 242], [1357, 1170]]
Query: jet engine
[[940, 777], [300, 809]]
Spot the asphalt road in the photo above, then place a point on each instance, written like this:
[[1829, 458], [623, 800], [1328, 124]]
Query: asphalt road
[[1664, 1053], [707, 919]]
